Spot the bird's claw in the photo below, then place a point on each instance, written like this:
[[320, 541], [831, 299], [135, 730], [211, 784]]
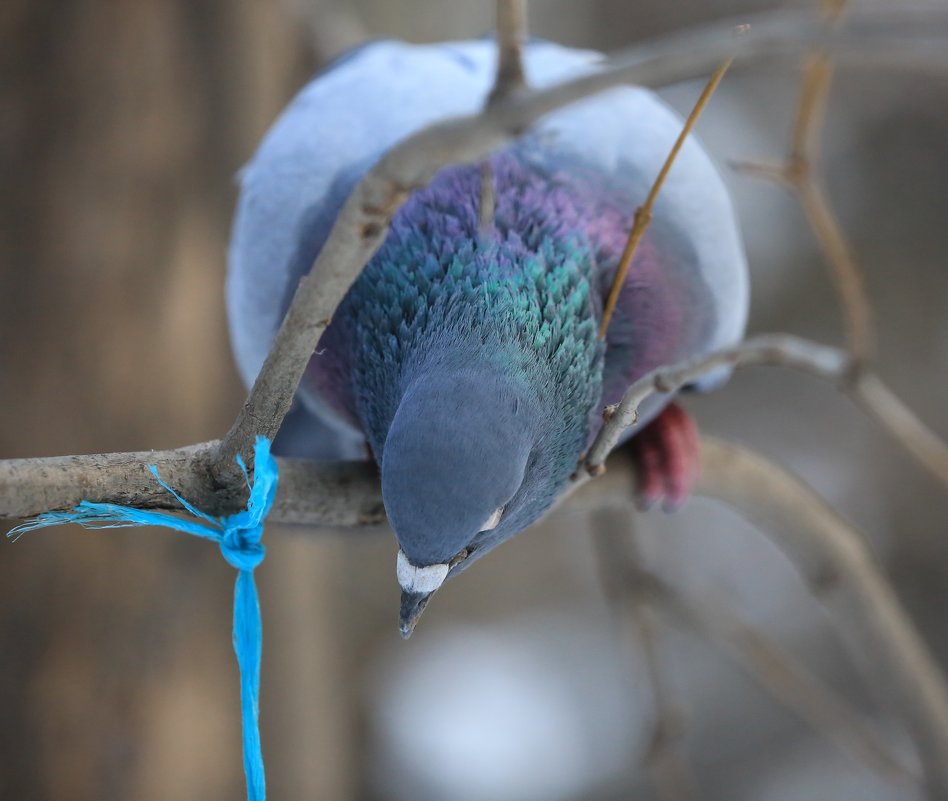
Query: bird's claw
[[666, 460]]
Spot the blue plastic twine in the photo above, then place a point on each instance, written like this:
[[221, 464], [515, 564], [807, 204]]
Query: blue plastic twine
[[239, 538]]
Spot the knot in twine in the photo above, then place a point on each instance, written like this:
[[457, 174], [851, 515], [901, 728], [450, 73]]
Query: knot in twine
[[238, 536]]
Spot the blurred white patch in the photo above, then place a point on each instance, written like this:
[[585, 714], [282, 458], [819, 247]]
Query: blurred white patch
[[544, 708]]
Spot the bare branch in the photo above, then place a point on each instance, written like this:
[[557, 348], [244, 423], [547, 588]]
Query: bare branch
[[885, 407], [843, 575], [511, 33], [840, 571], [832, 364], [845, 271], [363, 221], [32, 486], [620, 563], [814, 93], [345, 494], [768, 349], [781, 675], [799, 173]]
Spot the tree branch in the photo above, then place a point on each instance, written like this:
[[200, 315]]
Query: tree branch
[[767, 349], [511, 32], [362, 224], [838, 568], [888, 410], [633, 591], [832, 364], [842, 574], [781, 675], [799, 172], [327, 495]]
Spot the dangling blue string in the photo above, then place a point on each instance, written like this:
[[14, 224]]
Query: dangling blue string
[[239, 538]]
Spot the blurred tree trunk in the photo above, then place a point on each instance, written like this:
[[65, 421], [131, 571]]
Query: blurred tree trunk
[[121, 126]]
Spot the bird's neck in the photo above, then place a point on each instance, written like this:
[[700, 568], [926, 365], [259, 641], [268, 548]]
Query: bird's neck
[[514, 295]]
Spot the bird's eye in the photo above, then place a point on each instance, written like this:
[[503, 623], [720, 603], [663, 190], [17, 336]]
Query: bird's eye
[[493, 520]]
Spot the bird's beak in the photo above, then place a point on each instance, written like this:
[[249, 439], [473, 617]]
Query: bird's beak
[[413, 604], [418, 583]]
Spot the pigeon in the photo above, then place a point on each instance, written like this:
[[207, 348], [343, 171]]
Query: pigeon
[[466, 359]]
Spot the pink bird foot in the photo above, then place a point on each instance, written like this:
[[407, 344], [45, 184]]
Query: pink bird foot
[[666, 459]]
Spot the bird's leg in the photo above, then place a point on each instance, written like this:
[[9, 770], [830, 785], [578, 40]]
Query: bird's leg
[[666, 459]]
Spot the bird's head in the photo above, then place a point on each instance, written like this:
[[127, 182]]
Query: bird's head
[[453, 468]]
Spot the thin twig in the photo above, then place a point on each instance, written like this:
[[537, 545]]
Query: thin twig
[[511, 33], [620, 561], [846, 272], [800, 173], [831, 364], [643, 214], [890, 412], [811, 110], [765, 349], [781, 675], [364, 219]]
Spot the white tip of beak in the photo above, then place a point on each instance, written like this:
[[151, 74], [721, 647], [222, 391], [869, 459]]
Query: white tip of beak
[[419, 579], [493, 521]]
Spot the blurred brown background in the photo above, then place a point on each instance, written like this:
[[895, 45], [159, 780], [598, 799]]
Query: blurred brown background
[[121, 127]]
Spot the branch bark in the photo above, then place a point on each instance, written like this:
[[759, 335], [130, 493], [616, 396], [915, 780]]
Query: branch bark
[[325, 495]]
